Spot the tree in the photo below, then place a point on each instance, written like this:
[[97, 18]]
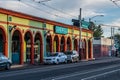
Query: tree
[[117, 41], [97, 30], [117, 36]]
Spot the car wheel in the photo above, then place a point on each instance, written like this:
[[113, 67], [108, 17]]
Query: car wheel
[[7, 66], [57, 62], [65, 60], [72, 60], [77, 59]]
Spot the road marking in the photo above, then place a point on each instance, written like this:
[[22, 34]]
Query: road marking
[[105, 73], [78, 73], [34, 70], [48, 68]]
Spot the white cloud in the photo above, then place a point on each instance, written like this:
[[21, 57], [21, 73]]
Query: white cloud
[[90, 8], [116, 23]]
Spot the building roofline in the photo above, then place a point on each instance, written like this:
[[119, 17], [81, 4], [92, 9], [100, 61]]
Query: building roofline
[[39, 19]]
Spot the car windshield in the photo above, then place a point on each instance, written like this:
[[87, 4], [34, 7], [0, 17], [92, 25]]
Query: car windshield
[[68, 53], [52, 54]]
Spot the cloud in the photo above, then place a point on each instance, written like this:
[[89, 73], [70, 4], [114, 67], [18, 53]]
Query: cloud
[[30, 9], [71, 8], [116, 23], [107, 27]]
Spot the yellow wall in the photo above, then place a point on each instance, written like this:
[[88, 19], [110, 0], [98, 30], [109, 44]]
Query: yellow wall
[[20, 20], [27, 22], [3, 17]]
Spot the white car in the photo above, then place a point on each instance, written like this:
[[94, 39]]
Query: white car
[[55, 58], [5, 62]]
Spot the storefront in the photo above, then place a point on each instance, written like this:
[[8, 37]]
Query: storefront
[[28, 39]]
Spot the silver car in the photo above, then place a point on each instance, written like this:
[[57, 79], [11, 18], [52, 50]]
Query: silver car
[[72, 56], [5, 62]]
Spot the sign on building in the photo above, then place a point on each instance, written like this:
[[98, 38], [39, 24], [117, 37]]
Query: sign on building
[[60, 30]]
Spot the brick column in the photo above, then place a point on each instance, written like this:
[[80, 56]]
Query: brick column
[[32, 52], [65, 44], [51, 44], [58, 44], [86, 50], [22, 52], [41, 52], [6, 48]]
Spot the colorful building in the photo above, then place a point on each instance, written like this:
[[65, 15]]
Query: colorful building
[[25, 38]]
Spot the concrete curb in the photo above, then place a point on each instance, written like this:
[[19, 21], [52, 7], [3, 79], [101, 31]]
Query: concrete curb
[[83, 62]]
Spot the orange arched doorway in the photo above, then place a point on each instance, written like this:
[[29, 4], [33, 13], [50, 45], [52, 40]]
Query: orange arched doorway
[[76, 45], [38, 48], [69, 44], [49, 44], [62, 44], [56, 44], [29, 47], [17, 47], [89, 49], [84, 49], [3, 42]]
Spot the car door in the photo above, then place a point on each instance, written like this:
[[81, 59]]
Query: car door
[[62, 57]]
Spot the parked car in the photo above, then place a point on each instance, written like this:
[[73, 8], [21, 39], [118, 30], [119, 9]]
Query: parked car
[[55, 58], [5, 62], [72, 56]]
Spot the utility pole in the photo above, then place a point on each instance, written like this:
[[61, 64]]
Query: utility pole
[[112, 40], [80, 34]]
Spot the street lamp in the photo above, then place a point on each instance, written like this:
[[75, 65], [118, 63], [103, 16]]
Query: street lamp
[[95, 16]]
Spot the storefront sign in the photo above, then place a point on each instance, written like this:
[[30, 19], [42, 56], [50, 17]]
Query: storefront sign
[[61, 30]]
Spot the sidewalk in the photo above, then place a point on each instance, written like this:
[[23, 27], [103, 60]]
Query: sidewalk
[[96, 61]]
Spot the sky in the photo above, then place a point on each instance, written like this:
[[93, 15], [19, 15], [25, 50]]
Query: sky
[[65, 10]]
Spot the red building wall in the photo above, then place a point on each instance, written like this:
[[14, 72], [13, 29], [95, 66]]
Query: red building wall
[[100, 50]]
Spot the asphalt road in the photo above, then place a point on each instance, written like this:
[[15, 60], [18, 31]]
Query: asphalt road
[[74, 71]]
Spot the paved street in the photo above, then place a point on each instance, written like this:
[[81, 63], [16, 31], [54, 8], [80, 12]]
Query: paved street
[[72, 71]]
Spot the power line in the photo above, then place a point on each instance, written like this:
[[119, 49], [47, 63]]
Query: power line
[[43, 0], [54, 8], [115, 2], [42, 10], [107, 25], [38, 8]]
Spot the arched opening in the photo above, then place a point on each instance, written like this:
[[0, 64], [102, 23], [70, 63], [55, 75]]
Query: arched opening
[[28, 46], [16, 47], [49, 44], [62, 45], [55, 44], [38, 48], [84, 49], [76, 45], [89, 49], [2, 41], [69, 44]]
